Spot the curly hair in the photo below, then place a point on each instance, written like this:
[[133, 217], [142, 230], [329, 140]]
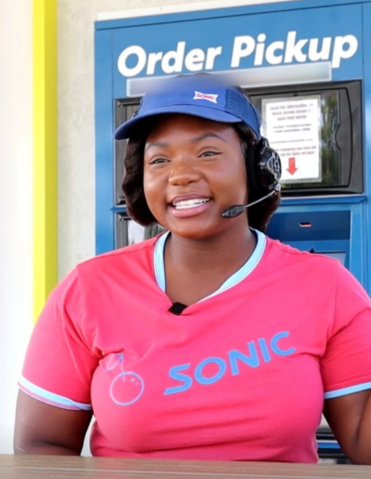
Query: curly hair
[[132, 184]]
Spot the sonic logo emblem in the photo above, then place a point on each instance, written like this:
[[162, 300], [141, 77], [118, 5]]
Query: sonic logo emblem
[[205, 96], [127, 387]]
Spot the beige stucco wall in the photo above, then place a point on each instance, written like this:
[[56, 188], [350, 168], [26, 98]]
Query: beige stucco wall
[[15, 203]]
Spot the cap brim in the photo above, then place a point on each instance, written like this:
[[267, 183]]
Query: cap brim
[[126, 129]]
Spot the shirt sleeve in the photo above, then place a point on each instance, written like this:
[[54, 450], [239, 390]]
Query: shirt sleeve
[[346, 364], [59, 361]]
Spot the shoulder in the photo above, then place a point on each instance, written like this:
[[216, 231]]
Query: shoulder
[[316, 271], [286, 256], [117, 267], [137, 253], [96, 289]]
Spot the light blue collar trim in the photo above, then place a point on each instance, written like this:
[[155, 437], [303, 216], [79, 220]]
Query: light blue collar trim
[[237, 277], [158, 260]]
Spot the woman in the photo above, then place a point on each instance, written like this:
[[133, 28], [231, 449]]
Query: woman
[[210, 341]]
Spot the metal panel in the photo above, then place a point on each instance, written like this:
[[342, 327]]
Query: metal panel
[[104, 142]]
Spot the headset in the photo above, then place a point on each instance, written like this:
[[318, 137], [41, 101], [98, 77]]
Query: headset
[[264, 169]]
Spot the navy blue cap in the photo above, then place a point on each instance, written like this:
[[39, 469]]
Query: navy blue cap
[[199, 95]]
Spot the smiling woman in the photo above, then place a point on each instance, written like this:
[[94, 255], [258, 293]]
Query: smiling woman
[[205, 342], [195, 166]]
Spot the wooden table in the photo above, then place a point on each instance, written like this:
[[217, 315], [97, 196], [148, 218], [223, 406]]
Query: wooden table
[[59, 467]]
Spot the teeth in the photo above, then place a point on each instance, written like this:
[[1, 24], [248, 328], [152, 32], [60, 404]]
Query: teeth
[[190, 203]]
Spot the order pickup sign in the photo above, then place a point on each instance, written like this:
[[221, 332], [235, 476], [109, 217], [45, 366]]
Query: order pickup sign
[[293, 128]]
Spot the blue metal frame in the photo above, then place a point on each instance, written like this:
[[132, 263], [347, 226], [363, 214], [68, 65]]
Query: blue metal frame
[[104, 142], [366, 236]]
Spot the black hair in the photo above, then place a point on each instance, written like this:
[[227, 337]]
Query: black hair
[[132, 184]]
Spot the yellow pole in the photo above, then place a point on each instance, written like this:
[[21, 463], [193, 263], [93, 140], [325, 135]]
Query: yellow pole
[[45, 149]]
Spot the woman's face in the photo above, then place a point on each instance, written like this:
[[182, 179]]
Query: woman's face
[[193, 170]]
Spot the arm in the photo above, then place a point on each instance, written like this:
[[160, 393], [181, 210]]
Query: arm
[[346, 369], [58, 367], [349, 417], [44, 429]]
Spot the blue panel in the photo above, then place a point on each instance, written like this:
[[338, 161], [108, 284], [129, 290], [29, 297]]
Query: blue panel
[[358, 250], [345, 210], [366, 240], [310, 226], [325, 232], [104, 142], [268, 37]]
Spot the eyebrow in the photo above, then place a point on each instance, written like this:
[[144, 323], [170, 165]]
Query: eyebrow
[[194, 140], [156, 143], [207, 135]]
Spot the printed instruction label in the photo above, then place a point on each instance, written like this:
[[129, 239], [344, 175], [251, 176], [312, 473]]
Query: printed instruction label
[[293, 128]]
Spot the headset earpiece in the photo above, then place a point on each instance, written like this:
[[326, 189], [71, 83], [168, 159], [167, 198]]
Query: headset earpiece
[[263, 167]]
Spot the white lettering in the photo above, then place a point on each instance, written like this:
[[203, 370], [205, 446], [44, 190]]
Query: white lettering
[[294, 49], [259, 54], [134, 59], [194, 60], [270, 55], [212, 53], [314, 55], [243, 46], [173, 60], [153, 58], [141, 61], [339, 52]]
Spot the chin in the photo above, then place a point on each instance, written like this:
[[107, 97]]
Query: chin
[[192, 235], [195, 232]]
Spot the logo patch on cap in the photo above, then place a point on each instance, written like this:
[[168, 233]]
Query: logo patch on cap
[[205, 96]]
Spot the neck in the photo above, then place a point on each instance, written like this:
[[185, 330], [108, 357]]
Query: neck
[[225, 252]]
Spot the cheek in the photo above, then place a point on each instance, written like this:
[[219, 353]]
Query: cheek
[[233, 181], [148, 188], [153, 191], [146, 184], [243, 182]]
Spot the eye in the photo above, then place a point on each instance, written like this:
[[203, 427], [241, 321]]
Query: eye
[[157, 161], [209, 153]]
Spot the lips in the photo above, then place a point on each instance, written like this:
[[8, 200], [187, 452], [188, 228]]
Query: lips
[[189, 205], [182, 205], [190, 200]]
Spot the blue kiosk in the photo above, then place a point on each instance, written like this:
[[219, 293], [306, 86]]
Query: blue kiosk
[[306, 66]]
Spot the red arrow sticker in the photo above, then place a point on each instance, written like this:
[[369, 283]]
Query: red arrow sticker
[[292, 167]]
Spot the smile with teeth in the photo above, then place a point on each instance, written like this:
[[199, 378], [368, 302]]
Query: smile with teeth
[[186, 204]]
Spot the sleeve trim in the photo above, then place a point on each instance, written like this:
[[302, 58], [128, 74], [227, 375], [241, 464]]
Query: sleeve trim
[[51, 398], [349, 390]]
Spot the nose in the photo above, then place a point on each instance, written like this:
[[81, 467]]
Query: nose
[[183, 172]]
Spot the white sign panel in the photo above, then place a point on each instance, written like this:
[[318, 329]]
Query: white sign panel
[[293, 128]]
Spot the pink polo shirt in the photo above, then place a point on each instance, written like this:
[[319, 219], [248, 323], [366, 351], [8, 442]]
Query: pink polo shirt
[[240, 375]]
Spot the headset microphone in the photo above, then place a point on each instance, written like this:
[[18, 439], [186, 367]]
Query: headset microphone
[[236, 210], [264, 169]]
